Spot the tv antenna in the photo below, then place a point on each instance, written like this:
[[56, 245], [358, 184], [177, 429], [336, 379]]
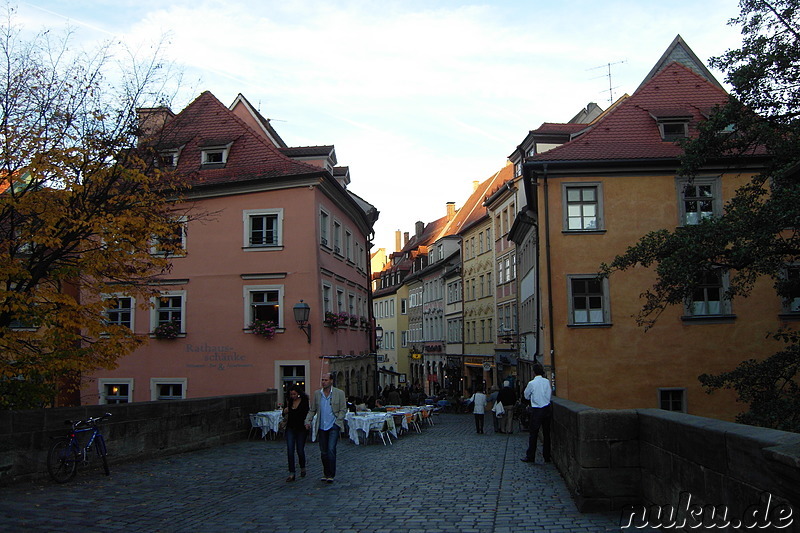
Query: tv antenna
[[608, 75]]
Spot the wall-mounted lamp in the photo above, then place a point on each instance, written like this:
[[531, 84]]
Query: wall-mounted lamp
[[378, 336], [301, 312]]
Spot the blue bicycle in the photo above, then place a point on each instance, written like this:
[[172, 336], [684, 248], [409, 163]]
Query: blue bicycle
[[67, 452]]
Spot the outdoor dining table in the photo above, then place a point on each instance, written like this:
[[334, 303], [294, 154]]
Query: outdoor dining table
[[365, 421], [270, 421]]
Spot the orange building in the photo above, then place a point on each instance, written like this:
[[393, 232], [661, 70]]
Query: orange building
[[606, 185], [278, 228]]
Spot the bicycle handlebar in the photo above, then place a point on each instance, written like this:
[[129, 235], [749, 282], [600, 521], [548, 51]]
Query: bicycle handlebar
[[90, 422]]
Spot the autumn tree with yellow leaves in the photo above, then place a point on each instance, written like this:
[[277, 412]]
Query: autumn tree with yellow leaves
[[80, 209]]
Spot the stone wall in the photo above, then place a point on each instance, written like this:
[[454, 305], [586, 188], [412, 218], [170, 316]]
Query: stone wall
[[135, 431], [650, 459]]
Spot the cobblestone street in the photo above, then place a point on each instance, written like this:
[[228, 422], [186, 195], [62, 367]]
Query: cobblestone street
[[446, 478]]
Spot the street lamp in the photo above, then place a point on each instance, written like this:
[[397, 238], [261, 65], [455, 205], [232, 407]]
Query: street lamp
[[301, 312], [378, 336]]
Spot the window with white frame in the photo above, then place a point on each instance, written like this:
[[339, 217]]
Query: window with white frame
[[264, 303], [699, 198], [588, 300], [214, 155], [673, 128], [708, 296], [119, 311], [324, 228], [327, 303], [337, 237], [582, 205], [339, 300], [263, 228], [169, 158], [167, 389], [348, 245], [169, 307], [174, 243], [403, 306], [115, 390]]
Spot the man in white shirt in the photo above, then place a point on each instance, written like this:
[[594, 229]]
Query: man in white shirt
[[330, 406], [540, 413]]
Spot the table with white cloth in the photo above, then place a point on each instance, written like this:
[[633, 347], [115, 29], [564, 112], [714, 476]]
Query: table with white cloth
[[402, 411], [269, 421], [366, 421]]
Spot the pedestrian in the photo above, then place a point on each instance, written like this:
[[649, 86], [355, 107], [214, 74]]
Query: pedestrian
[[508, 398], [296, 433], [330, 407], [492, 401], [538, 392], [393, 396], [478, 401]]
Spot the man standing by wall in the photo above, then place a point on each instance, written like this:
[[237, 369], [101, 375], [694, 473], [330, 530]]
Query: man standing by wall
[[538, 392], [330, 407]]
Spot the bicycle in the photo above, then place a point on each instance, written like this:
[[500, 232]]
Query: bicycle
[[66, 452]]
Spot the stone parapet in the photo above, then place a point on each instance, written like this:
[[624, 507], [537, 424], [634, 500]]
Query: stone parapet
[[134, 431]]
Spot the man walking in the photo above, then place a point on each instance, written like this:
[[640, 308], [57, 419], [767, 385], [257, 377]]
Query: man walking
[[330, 407], [538, 392]]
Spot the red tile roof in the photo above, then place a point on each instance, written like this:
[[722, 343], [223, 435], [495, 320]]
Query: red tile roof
[[630, 130], [206, 122]]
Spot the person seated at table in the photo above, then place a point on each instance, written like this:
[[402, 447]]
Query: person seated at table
[[361, 406], [351, 404], [379, 406]]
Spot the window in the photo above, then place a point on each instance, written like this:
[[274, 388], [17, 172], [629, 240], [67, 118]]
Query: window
[[672, 399], [214, 156], [115, 390], [263, 228], [169, 307], [588, 303], [582, 205], [337, 237], [324, 228], [263, 303], [119, 311], [707, 298], [326, 298], [167, 388], [699, 199], [348, 245], [169, 158], [292, 375], [791, 286], [339, 300], [403, 306], [174, 243], [674, 128]]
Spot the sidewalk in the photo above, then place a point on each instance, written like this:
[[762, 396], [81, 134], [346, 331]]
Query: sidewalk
[[445, 479]]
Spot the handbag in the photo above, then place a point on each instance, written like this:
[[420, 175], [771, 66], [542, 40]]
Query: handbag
[[282, 424]]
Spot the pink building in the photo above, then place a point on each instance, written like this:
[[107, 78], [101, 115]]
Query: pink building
[[279, 227]]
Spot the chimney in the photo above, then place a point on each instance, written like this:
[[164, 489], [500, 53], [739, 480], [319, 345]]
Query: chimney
[[152, 119], [451, 210], [475, 185], [397, 247], [405, 238], [419, 227]]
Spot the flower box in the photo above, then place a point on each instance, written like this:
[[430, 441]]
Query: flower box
[[264, 328], [168, 330]]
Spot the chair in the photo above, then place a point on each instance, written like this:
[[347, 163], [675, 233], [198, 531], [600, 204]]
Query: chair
[[381, 429], [255, 425], [411, 420], [427, 416]]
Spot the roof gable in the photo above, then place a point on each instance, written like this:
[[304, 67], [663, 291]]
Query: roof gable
[[206, 122], [679, 52], [630, 130]]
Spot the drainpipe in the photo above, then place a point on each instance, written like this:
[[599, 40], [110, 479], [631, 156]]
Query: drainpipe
[[549, 273]]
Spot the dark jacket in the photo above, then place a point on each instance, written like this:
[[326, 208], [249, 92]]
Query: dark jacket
[[507, 396]]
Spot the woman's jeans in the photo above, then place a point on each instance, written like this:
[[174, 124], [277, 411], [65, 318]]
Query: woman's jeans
[[296, 440], [478, 422], [327, 450]]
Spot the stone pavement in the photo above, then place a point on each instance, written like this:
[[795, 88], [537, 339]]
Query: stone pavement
[[445, 479]]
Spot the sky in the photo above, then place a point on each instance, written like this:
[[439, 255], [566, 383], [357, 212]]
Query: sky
[[419, 98]]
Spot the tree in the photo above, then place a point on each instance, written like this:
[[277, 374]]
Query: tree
[[757, 235], [80, 207]]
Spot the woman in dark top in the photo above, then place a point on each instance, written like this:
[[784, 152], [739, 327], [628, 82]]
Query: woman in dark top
[[295, 412]]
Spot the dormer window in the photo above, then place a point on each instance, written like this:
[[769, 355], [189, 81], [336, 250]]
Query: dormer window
[[169, 158], [214, 156], [672, 130]]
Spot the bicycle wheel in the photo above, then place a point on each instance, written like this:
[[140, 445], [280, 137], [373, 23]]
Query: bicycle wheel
[[100, 446], [62, 461]]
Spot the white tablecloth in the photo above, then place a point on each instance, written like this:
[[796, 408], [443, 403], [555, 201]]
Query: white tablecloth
[[269, 421], [367, 421]]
